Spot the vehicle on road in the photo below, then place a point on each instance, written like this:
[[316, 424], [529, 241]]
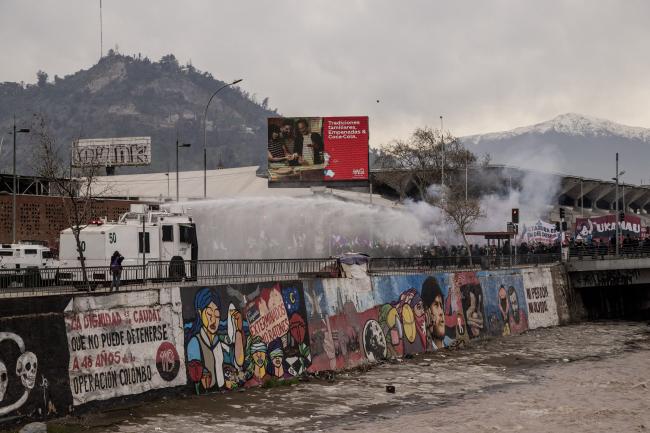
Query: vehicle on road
[[27, 264], [156, 244]]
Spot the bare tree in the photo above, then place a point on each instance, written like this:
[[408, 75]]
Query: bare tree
[[78, 189], [459, 210], [423, 156]]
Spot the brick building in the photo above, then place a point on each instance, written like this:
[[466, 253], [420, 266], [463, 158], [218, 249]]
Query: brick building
[[41, 217]]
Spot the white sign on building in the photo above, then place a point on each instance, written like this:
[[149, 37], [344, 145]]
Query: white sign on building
[[111, 152]]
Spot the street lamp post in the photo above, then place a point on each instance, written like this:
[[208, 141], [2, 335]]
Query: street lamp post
[[617, 222], [13, 223], [177, 146], [442, 142], [205, 151]]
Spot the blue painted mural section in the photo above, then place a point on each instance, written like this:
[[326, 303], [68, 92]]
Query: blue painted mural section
[[505, 302]]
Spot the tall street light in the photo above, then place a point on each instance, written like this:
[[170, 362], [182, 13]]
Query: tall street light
[[13, 223], [617, 222], [442, 142], [205, 151], [178, 145]]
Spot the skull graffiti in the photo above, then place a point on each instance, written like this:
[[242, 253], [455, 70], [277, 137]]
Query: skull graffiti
[[4, 379], [26, 369]]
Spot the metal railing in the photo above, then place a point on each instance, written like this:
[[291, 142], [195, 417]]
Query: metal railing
[[34, 281], [605, 251], [410, 265], [49, 281]]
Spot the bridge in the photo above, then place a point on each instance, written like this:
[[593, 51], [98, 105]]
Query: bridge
[[613, 285]]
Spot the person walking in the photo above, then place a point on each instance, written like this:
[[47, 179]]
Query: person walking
[[116, 270]]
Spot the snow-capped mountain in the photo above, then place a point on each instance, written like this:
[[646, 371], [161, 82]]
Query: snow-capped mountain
[[573, 144]]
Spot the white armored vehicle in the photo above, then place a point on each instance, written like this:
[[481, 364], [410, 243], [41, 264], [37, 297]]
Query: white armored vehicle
[[143, 235], [26, 263]]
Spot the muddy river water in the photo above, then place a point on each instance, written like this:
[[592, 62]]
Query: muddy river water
[[589, 377]]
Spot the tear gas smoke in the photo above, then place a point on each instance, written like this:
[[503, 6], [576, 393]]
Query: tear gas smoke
[[287, 227]]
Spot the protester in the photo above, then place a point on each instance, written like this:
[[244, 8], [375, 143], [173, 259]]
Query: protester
[[116, 270]]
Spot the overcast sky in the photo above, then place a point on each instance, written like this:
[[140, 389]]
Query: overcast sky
[[484, 65]]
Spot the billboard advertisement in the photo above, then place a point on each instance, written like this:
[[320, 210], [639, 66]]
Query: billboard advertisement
[[111, 152], [604, 227], [304, 151]]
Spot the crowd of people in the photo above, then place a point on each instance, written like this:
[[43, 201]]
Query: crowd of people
[[601, 247]]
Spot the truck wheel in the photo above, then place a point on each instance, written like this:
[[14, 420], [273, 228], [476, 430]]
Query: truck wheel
[[176, 268]]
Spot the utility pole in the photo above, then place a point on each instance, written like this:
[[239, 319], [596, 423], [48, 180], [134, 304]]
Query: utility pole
[[101, 32], [442, 143], [205, 137], [15, 183], [465, 176], [177, 146], [616, 219]]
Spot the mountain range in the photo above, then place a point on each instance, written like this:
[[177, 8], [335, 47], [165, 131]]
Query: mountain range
[[131, 96], [124, 96], [573, 144]]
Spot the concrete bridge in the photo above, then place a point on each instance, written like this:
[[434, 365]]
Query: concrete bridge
[[611, 286]]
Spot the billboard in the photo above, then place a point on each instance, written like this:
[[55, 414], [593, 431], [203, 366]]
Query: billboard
[[111, 152], [604, 227], [305, 151]]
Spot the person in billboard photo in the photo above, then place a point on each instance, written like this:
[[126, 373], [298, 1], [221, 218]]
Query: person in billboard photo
[[277, 150], [287, 134], [308, 145]]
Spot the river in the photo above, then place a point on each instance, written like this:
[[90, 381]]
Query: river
[[588, 377]]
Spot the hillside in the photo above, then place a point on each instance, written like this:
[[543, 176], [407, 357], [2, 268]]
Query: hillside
[[572, 144], [132, 96]]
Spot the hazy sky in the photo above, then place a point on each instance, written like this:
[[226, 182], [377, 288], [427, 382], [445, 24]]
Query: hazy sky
[[483, 65]]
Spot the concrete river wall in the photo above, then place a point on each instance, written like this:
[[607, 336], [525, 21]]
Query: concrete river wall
[[59, 354]]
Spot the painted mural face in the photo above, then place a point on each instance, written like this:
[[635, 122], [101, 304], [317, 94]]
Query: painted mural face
[[503, 302], [514, 303], [259, 358], [437, 312], [210, 317], [374, 341], [475, 314]]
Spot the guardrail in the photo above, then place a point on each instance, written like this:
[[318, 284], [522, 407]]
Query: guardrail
[[608, 252], [408, 265], [35, 281]]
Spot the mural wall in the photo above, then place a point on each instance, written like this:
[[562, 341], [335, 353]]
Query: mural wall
[[352, 321], [33, 357], [244, 335], [124, 343], [58, 352]]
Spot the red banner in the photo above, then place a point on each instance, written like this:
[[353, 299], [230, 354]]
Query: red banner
[[604, 227]]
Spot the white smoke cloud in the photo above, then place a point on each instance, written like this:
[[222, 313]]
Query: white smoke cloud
[[534, 194], [288, 227]]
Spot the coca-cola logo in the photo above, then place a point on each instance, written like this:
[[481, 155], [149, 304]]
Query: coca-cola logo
[[358, 172], [167, 361]]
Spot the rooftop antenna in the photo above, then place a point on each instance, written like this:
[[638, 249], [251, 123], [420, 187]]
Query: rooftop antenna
[[101, 32]]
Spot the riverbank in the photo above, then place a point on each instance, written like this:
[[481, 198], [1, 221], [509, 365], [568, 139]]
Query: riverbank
[[543, 380]]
